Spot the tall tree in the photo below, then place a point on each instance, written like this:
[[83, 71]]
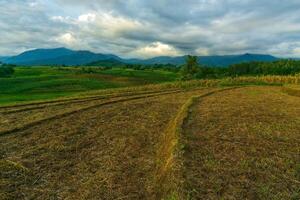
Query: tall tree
[[191, 67]]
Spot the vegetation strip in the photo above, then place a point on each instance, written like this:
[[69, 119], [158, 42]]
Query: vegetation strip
[[34, 123], [75, 100], [95, 98], [166, 177]]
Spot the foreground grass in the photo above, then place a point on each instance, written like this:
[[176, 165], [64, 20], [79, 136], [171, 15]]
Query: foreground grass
[[293, 90], [101, 153], [243, 144]]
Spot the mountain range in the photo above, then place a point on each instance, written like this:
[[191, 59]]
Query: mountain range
[[64, 56]]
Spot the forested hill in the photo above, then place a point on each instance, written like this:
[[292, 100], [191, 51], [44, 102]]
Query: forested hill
[[63, 56]]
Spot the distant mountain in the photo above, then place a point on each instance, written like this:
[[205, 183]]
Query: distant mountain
[[234, 59], [32, 56], [219, 61], [3, 58], [161, 60], [63, 56], [58, 56]]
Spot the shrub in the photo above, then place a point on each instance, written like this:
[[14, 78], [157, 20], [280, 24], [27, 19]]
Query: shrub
[[6, 71]]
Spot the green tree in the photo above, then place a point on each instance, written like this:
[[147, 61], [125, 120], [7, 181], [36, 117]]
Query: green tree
[[191, 67], [6, 71]]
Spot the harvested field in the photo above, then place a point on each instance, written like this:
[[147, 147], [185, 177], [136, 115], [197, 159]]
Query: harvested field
[[243, 144], [206, 143], [20, 119], [104, 152]]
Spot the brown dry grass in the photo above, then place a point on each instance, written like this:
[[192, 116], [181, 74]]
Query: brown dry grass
[[106, 152], [26, 117], [167, 183], [169, 155], [293, 90], [126, 144], [243, 144]]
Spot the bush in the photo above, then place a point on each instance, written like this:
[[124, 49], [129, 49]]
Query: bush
[[6, 71]]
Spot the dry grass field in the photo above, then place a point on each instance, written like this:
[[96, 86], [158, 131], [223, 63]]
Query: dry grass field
[[200, 143], [243, 144]]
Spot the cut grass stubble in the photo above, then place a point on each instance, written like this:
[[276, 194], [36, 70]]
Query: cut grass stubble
[[168, 180]]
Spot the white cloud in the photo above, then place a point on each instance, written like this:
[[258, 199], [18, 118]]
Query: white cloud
[[106, 24], [66, 39], [60, 19], [89, 17], [156, 49], [297, 50], [286, 49]]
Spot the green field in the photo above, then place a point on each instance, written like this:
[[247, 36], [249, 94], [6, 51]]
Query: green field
[[42, 83]]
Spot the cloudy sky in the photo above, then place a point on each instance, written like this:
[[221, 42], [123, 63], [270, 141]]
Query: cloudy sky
[[147, 28]]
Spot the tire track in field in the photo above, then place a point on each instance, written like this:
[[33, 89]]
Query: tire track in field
[[78, 101], [167, 177], [59, 116]]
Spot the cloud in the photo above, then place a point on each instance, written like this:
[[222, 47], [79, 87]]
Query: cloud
[[61, 19], [67, 39], [287, 49], [89, 17], [156, 49], [141, 28]]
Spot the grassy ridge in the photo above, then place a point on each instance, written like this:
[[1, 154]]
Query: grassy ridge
[[168, 175], [166, 183]]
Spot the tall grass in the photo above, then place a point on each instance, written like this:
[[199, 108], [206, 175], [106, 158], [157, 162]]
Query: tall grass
[[229, 81]]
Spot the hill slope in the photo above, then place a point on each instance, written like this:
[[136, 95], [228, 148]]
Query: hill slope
[[58, 56], [221, 61], [3, 58], [111, 62], [63, 56]]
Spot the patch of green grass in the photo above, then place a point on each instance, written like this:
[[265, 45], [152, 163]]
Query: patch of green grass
[[42, 83], [151, 76]]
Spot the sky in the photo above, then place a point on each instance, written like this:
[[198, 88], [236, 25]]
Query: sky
[[149, 28]]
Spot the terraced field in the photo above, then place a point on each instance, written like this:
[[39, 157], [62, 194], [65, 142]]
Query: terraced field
[[205, 143]]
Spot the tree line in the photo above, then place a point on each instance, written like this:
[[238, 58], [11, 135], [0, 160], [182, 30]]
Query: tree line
[[193, 70]]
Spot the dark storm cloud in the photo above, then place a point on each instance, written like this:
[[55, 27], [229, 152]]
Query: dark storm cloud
[[148, 28]]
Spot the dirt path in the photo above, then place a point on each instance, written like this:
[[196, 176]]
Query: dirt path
[[243, 144]]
